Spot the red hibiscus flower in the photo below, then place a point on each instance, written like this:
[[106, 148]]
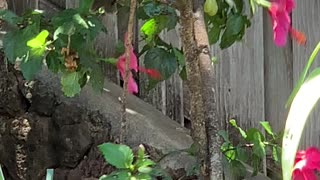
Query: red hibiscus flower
[[280, 11], [133, 65], [306, 163]]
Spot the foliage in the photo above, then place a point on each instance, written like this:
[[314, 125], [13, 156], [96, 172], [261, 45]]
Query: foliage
[[253, 147], [304, 97], [226, 25], [65, 42], [121, 156], [49, 175], [1, 174]]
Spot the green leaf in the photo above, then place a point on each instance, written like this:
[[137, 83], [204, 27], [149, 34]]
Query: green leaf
[[146, 163], [118, 155], [303, 75], [39, 41], [301, 107], [9, 17], [153, 27], [180, 57], [54, 61], [152, 9], [256, 162], [1, 174], [267, 127], [85, 5], [68, 28], [183, 74], [161, 60], [234, 124], [141, 152], [79, 20], [15, 42], [49, 175], [224, 134], [276, 153], [112, 61], [234, 167], [145, 169], [234, 30], [70, 83], [31, 65], [253, 6], [255, 136], [242, 154], [120, 49], [97, 78], [142, 176], [117, 175], [231, 154], [214, 34], [193, 149]]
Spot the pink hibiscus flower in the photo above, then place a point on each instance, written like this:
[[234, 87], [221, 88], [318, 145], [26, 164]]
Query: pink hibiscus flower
[[280, 11], [306, 162], [133, 65]]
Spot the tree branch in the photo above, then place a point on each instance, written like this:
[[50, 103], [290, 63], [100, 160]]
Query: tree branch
[[128, 46]]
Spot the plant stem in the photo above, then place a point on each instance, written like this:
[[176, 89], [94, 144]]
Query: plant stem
[[128, 46]]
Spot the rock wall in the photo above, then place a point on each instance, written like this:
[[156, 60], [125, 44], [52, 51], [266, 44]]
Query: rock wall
[[40, 128]]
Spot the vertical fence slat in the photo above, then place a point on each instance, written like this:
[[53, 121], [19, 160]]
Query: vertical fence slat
[[240, 81], [240, 77], [19, 6], [278, 77], [306, 18]]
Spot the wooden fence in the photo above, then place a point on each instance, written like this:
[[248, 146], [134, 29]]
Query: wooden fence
[[254, 77]]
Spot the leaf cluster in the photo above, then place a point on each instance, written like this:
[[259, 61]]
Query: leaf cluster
[[254, 146], [129, 167], [63, 43]]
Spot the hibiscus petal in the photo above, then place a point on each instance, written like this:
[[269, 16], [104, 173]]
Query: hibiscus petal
[[132, 85], [304, 174], [153, 73]]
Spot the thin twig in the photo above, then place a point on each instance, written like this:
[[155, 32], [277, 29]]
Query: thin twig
[[128, 46]]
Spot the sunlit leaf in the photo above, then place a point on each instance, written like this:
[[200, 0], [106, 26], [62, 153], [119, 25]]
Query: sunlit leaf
[[49, 175], [118, 155], [267, 127], [39, 41], [234, 124], [301, 107], [1, 174]]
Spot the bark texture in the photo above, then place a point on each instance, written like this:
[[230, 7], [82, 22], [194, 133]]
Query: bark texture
[[194, 82], [214, 123], [201, 82]]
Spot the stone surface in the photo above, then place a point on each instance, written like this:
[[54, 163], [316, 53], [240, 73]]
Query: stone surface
[[49, 130]]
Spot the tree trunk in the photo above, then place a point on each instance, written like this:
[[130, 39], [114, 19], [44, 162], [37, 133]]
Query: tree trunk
[[201, 82], [214, 124]]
